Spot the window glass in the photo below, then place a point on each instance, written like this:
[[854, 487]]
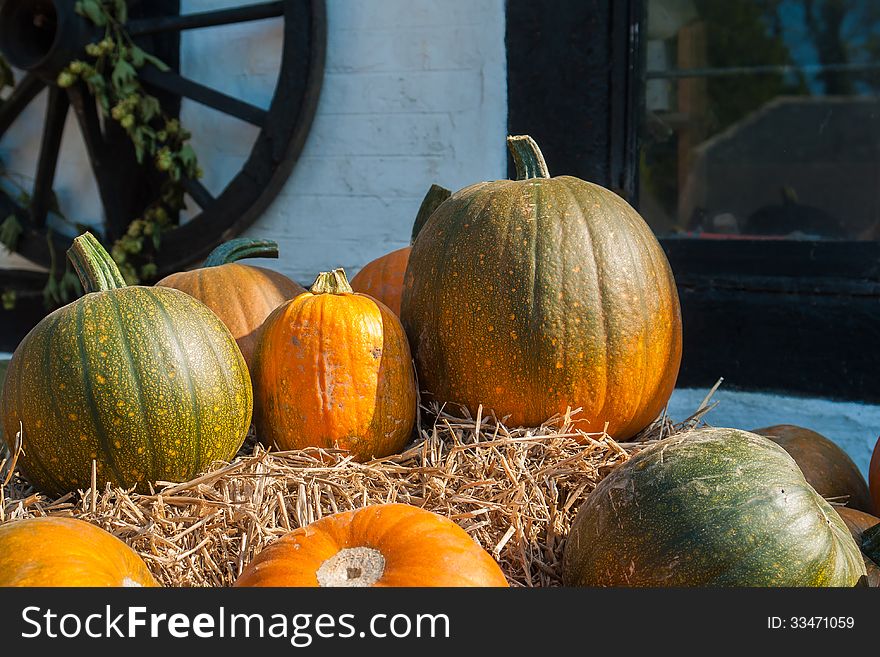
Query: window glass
[[761, 119]]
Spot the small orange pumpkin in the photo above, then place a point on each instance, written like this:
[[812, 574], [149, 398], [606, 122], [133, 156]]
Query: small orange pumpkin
[[67, 552], [382, 278], [242, 296], [384, 545], [333, 368]]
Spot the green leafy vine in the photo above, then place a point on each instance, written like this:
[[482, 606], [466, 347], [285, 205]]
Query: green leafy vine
[[111, 76]]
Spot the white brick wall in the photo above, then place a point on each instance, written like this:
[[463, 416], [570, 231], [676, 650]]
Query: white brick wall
[[414, 93]]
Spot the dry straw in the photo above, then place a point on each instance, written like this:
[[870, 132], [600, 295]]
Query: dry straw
[[514, 490]]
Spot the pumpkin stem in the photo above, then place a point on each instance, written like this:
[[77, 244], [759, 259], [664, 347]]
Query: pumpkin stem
[[96, 270], [527, 157], [435, 196], [239, 249], [871, 543], [331, 282]]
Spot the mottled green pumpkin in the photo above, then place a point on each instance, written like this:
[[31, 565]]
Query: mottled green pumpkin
[[146, 381], [535, 295], [712, 507]]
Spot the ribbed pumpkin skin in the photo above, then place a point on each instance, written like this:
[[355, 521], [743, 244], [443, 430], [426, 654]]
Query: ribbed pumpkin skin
[[535, 295], [713, 507], [382, 278], [826, 467], [857, 522], [242, 296], [146, 380], [420, 548], [334, 369], [67, 552]]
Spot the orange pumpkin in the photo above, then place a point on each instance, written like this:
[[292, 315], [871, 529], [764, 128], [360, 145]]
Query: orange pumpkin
[[382, 278], [857, 522], [242, 296], [874, 476], [381, 545], [826, 467], [67, 552], [333, 368]]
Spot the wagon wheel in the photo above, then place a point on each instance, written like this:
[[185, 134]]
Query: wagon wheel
[[41, 37]]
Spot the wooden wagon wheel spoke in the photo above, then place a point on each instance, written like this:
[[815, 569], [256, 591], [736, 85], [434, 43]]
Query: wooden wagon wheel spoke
[[53, 130], [25, 91], [206, 19], [199, 193], [181, 86]]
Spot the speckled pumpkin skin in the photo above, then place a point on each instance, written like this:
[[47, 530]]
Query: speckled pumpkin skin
[[857, 522], [420, 548], [382, 278], [334, 370], [242, 296], [67, 552], [826, 467], [713, 507], [145, 380], [535, 295]]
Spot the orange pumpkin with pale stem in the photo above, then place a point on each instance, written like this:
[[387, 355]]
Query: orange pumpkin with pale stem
[[388, 545], [242, 296], [382, 278], [67, 552], [332, 368]]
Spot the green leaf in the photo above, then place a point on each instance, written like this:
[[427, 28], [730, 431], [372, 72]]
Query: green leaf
[[137, 56], [149, 107], [121, 11], [10, 230], [155, 61], [122, 76], [93, 11]]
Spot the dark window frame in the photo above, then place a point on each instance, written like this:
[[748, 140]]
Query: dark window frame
[[793, 317]]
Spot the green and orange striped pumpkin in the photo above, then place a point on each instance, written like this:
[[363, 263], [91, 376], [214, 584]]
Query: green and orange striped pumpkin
[[145, 381], [535, 295]]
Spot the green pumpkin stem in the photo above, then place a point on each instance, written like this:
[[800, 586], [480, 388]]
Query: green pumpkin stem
[[239, 249], [331, 282], [527, 157], [93, 265], [871, 543], [435, 196]]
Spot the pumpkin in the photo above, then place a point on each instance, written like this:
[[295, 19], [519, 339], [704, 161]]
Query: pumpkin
[[381, 545], [874, 476], [541, 294], [826, 466], [710, 507], [332, 368], [145, 381], [858, 522], [382, 278], [242, 296], [53, 551]]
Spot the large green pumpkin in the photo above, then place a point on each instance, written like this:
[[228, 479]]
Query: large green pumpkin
[[712, 507], [144, 380], [535, 295]]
